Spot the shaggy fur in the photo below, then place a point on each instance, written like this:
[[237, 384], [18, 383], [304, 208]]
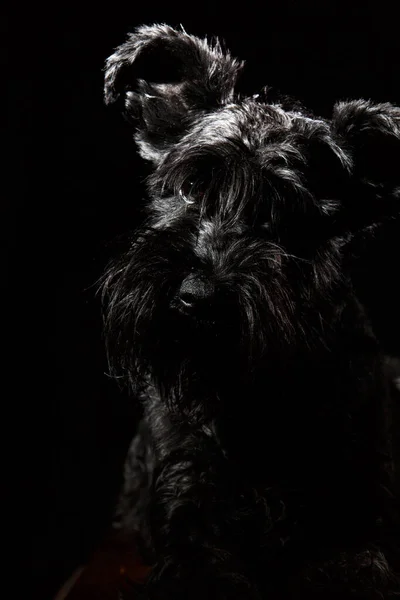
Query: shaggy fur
[[263, 467]]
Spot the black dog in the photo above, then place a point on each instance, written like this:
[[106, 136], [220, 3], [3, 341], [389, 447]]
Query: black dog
[[263, 467]]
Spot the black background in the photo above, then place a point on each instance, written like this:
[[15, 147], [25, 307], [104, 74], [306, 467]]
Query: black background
[[75, 187]]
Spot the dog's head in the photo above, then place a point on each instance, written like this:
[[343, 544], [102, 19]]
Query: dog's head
[[250, 208]]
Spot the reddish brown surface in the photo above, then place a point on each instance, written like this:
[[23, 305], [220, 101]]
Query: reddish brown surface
[[113, 566]]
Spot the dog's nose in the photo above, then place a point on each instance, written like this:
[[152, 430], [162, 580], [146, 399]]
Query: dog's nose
[[195, 292]]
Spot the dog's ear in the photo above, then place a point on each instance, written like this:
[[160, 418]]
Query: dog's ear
[[370, 135], [162, 79]]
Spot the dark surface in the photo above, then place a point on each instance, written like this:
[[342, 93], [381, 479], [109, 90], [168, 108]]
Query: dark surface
[[115, 567], [75, 187]]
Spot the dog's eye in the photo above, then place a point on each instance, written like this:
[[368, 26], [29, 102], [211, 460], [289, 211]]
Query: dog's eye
[[189, 192]]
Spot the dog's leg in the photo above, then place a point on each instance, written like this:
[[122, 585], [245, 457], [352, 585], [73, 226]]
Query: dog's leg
[[131, 514], [199, 515]]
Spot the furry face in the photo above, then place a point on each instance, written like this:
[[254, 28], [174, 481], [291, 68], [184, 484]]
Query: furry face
[[249, 215]]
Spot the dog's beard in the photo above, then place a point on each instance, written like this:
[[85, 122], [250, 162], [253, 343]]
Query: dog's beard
[[188, 355]]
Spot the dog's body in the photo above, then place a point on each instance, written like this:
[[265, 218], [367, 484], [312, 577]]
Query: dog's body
[[263, 467]]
